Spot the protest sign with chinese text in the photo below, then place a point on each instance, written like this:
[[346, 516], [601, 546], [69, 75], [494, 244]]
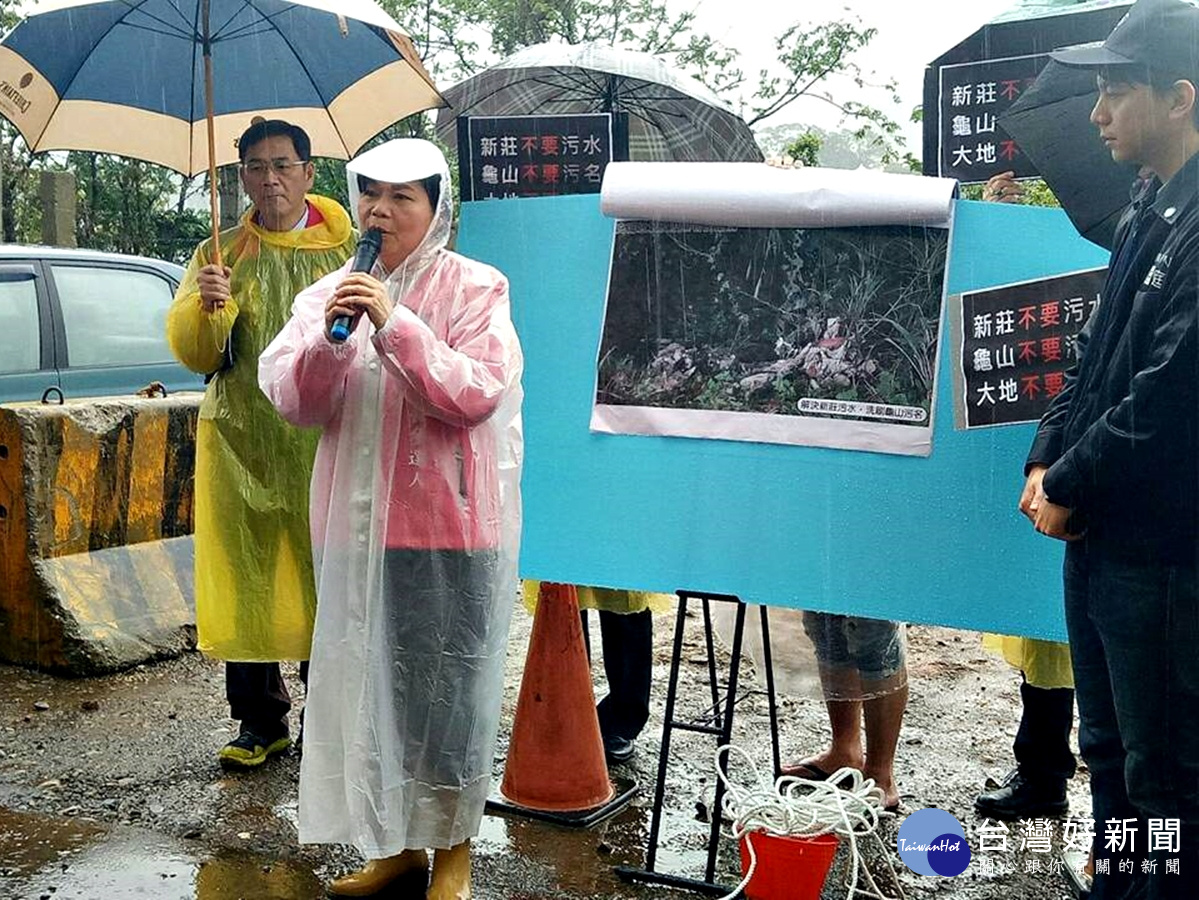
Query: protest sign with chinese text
[[973, 147], [1017, 342], [537, 156]]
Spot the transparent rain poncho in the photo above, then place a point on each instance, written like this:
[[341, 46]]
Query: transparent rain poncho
[[415, 529]]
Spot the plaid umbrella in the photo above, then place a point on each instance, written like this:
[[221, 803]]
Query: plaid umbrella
[[671, 115]]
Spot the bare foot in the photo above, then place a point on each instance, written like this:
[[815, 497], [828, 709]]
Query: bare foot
[[885, 782], [827, 762]]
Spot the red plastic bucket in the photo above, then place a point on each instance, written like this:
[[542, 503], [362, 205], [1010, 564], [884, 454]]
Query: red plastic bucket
[[789, 868]]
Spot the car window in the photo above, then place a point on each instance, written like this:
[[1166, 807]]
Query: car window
[[20, 343], [113, 317]]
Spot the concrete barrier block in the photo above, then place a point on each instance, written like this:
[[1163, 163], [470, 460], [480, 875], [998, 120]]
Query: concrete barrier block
[[95, 525], [123, 605]]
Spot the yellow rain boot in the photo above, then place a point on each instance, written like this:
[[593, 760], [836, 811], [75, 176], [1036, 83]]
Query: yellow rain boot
[[451, 873], [379, 873]]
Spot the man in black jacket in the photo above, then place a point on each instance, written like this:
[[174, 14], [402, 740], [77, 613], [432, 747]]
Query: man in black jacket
[[1114, 470]]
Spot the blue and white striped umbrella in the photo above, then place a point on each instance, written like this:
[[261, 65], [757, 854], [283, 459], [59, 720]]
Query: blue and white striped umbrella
[[128, 76]]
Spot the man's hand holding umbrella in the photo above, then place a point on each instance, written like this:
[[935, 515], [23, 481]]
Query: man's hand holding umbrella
[[1003, 188], [213, 281]]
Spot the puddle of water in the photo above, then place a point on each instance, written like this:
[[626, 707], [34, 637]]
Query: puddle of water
[[71, 860], [582, 860], [30, 842], [254, 878]]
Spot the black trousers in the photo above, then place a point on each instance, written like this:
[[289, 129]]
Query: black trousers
[[1042, 745], [258, 696], [628, 642]]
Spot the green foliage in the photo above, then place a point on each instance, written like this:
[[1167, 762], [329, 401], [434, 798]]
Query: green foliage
[[521, 23], [119, 201], [805, 149], [1036, 193], [847, 148], [442, 31], [179, 232], [718, 392], [9, 14], [330, 180], [21, 216], [806, 54], [128, 206]]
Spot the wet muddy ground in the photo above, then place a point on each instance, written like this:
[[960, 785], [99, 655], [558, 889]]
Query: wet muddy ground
[[109, 787]]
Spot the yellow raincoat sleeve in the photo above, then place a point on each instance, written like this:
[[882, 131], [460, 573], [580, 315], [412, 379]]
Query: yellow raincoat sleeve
[[197, 338]]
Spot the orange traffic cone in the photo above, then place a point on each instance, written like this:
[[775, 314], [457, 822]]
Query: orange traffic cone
[[556, 755]]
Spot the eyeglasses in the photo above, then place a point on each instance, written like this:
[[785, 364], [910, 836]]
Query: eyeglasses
[[258, 167]]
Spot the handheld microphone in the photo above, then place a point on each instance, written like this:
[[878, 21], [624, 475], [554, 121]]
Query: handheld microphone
[[364, 261]]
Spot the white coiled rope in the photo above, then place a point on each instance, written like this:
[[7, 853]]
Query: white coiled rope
[[847, 805]]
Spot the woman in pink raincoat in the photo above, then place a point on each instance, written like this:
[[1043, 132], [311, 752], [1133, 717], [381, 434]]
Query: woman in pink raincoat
[[415, 516]]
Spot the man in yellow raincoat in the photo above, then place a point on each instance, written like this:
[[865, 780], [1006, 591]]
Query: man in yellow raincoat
[[255, 590]]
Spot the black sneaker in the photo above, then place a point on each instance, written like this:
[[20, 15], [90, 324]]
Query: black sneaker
[[1018, 797], [248, 750], [618, 749]]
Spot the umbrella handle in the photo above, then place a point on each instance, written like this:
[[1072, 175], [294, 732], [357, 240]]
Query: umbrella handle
[[213, 204], [213, 188]]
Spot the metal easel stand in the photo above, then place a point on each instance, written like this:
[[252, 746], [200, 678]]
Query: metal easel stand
[[712, 721]]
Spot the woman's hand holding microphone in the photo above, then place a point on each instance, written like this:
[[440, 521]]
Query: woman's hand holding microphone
[[359, 293]]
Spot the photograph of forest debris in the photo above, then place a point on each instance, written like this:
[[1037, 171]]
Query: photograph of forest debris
[[763, 320]]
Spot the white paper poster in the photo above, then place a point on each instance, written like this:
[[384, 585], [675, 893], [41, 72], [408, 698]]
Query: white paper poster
[[793, 306]]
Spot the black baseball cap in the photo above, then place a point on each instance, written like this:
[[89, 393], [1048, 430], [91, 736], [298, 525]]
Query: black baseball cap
[[1157, 36]]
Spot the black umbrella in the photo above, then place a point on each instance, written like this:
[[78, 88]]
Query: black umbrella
[[1051, 123], [1013, 46]]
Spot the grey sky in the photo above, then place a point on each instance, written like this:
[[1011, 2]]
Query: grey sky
[[910, 35]]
